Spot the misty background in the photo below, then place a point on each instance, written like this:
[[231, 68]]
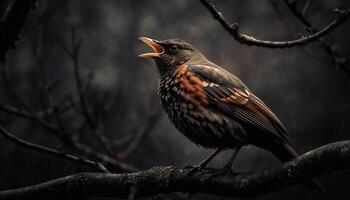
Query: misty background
[[301, 85]]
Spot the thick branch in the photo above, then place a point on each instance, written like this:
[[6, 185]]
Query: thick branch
[[326, 159], [12, 23], [233, 29]]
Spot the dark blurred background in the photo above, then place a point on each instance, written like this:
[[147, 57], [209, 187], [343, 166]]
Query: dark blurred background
[[303, 87]]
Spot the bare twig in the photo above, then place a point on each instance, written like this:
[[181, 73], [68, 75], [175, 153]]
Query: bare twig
[[306, 8], [54, 152], [323, 160], [74, 54], [95, 125], [68, 141], [233, 29], [125, 139], [111, 163], [279, 14], [43, 118], [28, 115], [335, 56], [61, 107], [10, 89], [141, 133]]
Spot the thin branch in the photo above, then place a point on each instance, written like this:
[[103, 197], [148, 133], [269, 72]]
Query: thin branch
[[141, 133], [323, 160], [28, 115], [10, 89], [54, 152], [94, 124], [306, 8], [74, 54], [335, 56], [61, 107], [111, 163], [125, 139], [68, 141], [233, 29], [10, 26], [279, 14]]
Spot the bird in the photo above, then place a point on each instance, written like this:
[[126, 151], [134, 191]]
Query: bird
[[213, 108]]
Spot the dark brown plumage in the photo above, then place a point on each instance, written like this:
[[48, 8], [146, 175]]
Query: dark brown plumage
[[211, 106]]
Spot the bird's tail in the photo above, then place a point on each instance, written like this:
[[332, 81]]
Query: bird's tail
[[287, 153]]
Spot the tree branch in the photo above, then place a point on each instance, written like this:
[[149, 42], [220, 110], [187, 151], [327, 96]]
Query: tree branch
[[233, 29], [141, 133], [94, 123], [22, 113], [323, 160], [74, 54], [333, 53], [112, 163], [54, 152], [12, 23]]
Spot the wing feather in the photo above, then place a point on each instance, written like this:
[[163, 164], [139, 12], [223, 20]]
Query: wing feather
[[226, 93]]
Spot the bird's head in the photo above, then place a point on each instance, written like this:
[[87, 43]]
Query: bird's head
[[169, 54]]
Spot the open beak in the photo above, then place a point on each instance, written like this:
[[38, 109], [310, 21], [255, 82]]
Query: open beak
[[158, 50]]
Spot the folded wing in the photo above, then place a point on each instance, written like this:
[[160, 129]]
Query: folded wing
[[227, 94]]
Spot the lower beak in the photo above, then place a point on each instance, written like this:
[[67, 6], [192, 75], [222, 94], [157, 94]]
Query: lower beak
[[158, 50]]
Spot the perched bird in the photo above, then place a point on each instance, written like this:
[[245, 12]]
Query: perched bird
[[212, 107]]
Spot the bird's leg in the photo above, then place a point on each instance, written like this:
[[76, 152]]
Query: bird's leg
[[204, 163], [227, 167]]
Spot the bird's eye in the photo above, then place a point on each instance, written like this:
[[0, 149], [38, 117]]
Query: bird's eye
[[173, 48]]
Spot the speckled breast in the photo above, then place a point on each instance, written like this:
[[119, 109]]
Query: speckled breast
[[192, 117]]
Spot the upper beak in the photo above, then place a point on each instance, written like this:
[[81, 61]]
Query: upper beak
[[159, 50]]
